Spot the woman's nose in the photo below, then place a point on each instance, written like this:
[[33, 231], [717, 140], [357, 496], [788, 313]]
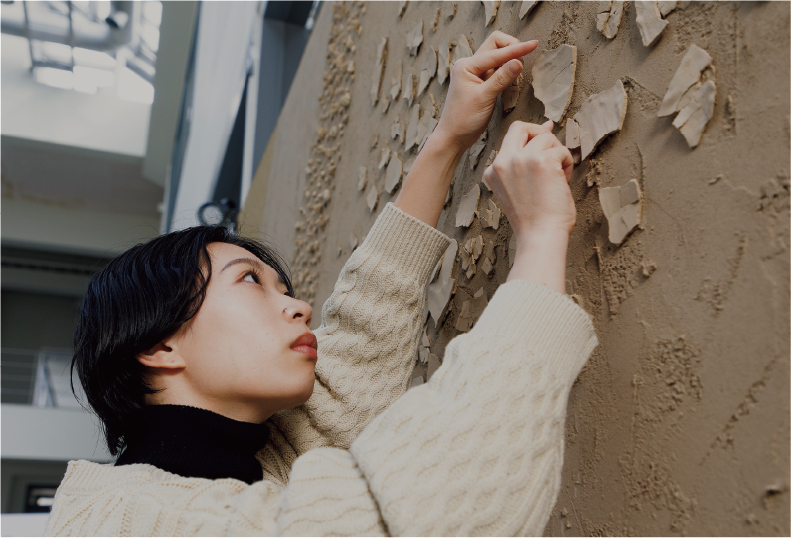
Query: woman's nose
[[299, 310]]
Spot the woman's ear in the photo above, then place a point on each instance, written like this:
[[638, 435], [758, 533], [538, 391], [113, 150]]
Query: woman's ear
[[162, 355]]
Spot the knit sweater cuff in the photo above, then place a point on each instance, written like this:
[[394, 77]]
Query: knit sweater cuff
[[406, 242], [546, 322]]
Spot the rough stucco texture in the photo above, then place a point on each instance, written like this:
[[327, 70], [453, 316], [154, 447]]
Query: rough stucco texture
[[679, 423]]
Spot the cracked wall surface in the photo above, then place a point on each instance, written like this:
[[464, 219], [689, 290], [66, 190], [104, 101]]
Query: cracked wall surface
[[679, 423]]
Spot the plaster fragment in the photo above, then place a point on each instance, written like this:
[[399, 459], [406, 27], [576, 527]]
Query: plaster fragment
[[464, 321], [462, 50], [397, 131], [688, 73], [439, 292], [477, 149], [422, 84], [408, 87], [666, 7], [433, 365], [489, 259], [385, 103], [402, 7], [416, 382], [471, 310], [490, 159], [352, 242], [572, 134], [455, 8], [609, 17], [414, 38], [395, 87], [510, 97], [431, 125], [375, 141], [372, 198], [436, 21], [381, 61], [492, 215], [393, 175], [553, 79], [408, 165], [526, 7], [362, 178], [424, 337], [600, 115], [623, 208], [411, 130], [491, 10], [692, 119], [512, 251], [431, 62], [649, 21], [443, 62], [385, 158], [467, 207]]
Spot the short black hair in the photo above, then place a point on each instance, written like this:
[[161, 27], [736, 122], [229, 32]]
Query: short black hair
[[139, 299]]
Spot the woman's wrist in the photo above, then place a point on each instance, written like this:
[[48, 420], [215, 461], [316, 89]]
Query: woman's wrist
[[448, 141], [541, 257]]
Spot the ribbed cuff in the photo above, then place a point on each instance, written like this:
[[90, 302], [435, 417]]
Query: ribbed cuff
[[401, 239], [542, 320]]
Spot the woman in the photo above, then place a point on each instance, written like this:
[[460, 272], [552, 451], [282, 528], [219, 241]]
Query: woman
[[230, 417]]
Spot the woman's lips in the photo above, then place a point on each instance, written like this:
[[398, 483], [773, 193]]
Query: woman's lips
[[306, 344]]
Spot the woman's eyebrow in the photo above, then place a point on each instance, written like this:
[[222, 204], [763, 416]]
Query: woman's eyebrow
[[249, 261]]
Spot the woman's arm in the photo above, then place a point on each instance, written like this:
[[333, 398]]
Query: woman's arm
[[475, 84], [371, 323]]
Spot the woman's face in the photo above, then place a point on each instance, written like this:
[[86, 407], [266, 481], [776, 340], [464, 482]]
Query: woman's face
[[241, 350]]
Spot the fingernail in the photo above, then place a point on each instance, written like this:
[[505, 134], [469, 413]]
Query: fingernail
[[515, 66], [532, 41]]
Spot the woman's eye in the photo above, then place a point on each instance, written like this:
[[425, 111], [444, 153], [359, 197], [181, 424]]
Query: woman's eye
[[250, 277]]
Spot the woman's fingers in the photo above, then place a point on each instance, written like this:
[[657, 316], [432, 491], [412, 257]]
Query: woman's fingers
[[542, 142], [520, 133], [563, 155], [479, 63]]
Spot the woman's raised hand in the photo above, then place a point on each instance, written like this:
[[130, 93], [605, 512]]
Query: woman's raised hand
[[530, 178], [476, 82]]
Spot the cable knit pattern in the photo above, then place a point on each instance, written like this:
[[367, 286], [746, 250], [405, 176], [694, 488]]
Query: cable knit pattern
[[478, 450]]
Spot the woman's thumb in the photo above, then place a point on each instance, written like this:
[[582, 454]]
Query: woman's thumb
[[502, 78]]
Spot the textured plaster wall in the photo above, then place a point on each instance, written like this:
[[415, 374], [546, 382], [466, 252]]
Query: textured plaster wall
[[679, 423]]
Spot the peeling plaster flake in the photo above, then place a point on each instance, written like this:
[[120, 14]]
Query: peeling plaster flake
[[372, 198], [425, 78], [362, 178], [443, 62], [414, 38], [512, 251], [510, 97], [553, 79], [353, 242], [600, 115], [395, 88], [431, 62], [666, 7], [411, 130], [526, 7], [408, 87], [692, 119], [469, 203], [688, 73], [649, 21], [381, 61], [432, 124], [439, 292], [396, 131], [572, 134], [609, 18], [492, 215], [402, 7], [490, 9], [463, 49], [622, 207], [393, 175], [385, 158], [477, 150]]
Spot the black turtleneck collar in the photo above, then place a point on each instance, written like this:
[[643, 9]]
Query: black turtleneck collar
[[193, 442]]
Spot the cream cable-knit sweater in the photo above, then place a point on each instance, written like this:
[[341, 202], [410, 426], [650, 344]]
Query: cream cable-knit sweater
[[477, 450]]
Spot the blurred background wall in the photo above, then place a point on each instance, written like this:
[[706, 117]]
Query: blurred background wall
[[120, 121]]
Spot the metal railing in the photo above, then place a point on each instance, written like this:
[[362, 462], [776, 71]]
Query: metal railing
[[37, 377]]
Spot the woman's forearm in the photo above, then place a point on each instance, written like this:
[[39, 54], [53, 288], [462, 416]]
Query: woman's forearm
[[541, 257], [426, 186]]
